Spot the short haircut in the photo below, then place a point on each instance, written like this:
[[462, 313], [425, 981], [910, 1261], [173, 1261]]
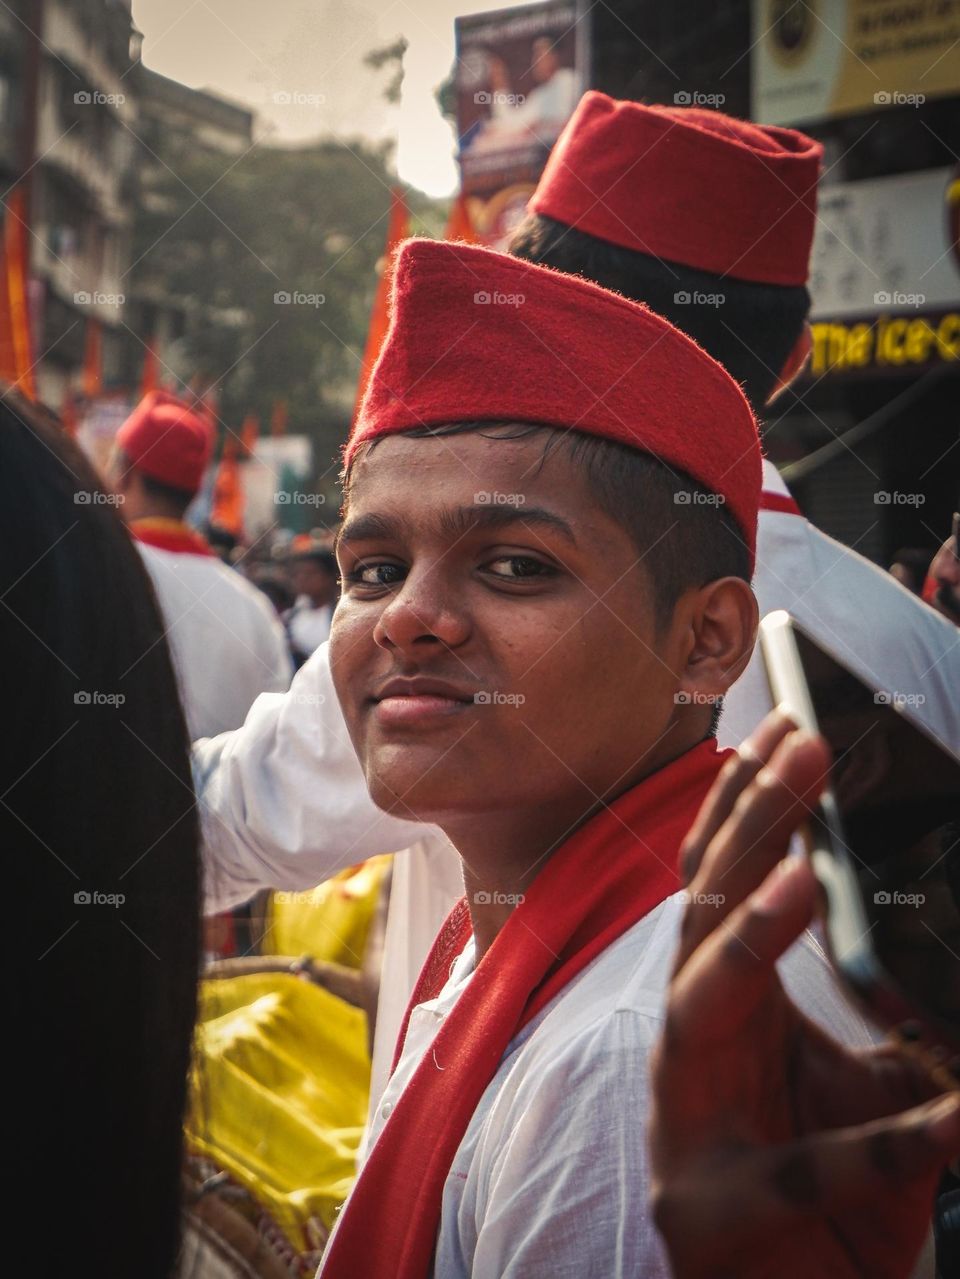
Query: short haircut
[[684, 535], [176, 498], [751, 332]]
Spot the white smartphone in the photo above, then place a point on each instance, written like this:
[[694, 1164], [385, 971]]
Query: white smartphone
[[885, 841]]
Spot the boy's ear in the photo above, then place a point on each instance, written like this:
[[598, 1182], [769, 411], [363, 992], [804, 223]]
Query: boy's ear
[[722, 620]]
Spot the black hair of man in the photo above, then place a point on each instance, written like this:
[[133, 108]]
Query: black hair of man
[[321, 556], [747, 327], [173, 500]]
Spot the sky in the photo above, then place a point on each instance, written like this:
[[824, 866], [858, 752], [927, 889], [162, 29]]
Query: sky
[[299, 65]]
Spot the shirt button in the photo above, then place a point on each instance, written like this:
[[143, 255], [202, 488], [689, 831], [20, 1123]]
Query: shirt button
[[385, 1109]]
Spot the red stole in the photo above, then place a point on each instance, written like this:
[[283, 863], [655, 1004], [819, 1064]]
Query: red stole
[[170, 535], [608, 875], [781, 502]]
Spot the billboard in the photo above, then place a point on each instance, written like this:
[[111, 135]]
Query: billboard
[[885, 274], [815, 59], [520, 73]]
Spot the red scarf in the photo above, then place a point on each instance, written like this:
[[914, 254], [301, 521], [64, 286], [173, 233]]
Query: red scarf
[[170, 535], [608, 875]]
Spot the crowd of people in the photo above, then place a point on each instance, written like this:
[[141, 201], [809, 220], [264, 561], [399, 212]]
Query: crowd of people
[[607, 1040]]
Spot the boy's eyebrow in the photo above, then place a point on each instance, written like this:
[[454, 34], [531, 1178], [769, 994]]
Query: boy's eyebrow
[[456, 521], [366, 527]]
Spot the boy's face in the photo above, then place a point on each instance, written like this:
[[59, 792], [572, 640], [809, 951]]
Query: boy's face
[[495, 645]]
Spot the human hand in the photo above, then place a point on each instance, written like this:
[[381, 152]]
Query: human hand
[[775, 1151]]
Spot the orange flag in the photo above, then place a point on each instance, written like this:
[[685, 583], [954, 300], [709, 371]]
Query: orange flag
[[150, 378], [249, 434], [93, 360], [227, 509], [459, 224], [16, 364], [398, 229], [278, 418], [68, 413]]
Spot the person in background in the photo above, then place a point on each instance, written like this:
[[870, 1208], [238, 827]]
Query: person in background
[[222, 542], [709, 221], [228, 646], [942, 587], [101, 872], [543, 110], [312, 569], [273, 583], [909, 567]]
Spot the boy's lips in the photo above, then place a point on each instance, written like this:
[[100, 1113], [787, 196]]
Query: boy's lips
[[419, 701]]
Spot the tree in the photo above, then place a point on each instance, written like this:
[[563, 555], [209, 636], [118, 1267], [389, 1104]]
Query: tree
[[275, 267]]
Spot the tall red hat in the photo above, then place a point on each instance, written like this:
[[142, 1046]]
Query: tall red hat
[[479, 336], [165, 439], [695, 187]]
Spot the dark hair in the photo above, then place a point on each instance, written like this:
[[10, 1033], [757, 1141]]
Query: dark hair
[[274, 587], [684, 536], [750, 333], [168, 495], [322, 557], [97, 805]]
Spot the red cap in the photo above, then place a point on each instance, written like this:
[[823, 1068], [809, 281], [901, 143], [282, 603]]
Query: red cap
[[694, 187], [165, 439], [479, 336]]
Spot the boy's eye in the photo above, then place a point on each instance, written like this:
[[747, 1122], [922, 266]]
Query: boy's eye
[[518, 567], [378, 574]]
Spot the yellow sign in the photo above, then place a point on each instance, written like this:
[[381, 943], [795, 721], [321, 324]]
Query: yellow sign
[[814, 59], [887, 344]]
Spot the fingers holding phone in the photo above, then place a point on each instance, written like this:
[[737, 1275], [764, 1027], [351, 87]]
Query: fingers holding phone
[[774, 1149]]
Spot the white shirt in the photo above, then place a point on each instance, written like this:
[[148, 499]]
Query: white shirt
[[309, 627], [549, 105], [859, 613], [552, 1176], [285, 805], [228, 646]]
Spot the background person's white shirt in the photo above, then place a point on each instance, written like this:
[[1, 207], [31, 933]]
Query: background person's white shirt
[[227, 644], [552, 1177], [309, 627]]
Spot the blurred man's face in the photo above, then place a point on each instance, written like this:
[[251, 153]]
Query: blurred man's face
[[495, 644], [945, 570], [312, 579], [545, 62]]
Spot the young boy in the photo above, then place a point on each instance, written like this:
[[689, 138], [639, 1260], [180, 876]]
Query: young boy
[[551, 505]]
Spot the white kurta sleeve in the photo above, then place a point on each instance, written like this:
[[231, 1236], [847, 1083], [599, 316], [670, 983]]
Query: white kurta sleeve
[[283, 801], [856, 611]]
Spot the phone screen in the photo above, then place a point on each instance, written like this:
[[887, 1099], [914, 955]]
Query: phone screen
[[898, 796]]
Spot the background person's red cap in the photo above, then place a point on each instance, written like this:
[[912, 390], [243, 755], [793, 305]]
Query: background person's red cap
[[695, 187], [165, 439], [479, 336]]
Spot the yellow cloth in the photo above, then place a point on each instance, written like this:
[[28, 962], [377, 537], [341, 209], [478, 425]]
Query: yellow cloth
[[279, 1095], [330, 922]]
